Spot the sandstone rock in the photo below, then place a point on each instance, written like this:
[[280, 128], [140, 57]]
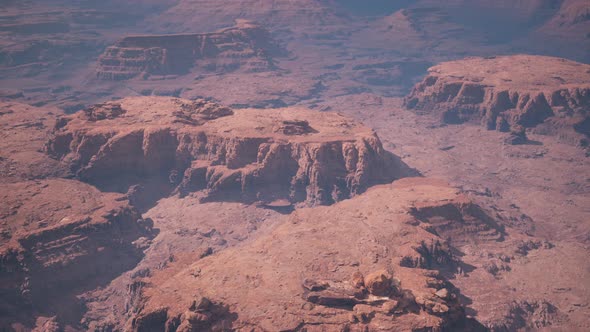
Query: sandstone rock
[[430, 255], [390, 306], [332, 299], [315, 286], [151, 320], [232, 154], [460, 221], [294, 127], [432, 306], [47, 325], [551, 95], [203, 316], [358, 280], [440, 308], [531, 315], [306, 14], [326, 296], [23, 131], [200, 304], [363, 313], [80, 238], [494, 267], [443, 293], [246, 46], [102, 112], [517, 137], [524, 247], [379, 283]]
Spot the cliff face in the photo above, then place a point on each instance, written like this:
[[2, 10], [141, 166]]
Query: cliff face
[[549, 94], [246, 46], [79, 240], [295, 154], [339, 267]]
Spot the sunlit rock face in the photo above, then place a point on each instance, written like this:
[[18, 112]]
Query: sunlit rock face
[[293, 153], [246, 46], [549, 95]]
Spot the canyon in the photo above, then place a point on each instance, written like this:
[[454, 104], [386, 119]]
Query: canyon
[[262, 165]]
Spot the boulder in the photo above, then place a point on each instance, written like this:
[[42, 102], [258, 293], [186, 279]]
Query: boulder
[[379, 283]]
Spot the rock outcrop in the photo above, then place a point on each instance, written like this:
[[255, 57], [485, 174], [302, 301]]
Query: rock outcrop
[[342, 273], [246, 154], [59, 238], [551, 95], [24, 130], [246, 46]]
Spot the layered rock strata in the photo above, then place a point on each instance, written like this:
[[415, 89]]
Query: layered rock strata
[[551, 95], [344, 273], [247, 154], [246, 46], [59, 238]]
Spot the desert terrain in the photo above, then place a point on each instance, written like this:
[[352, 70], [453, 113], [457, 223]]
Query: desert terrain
[[315, 165]]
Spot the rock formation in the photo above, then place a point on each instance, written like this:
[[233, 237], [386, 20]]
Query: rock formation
[[78, 251], [246, 46], [24, 131], [250, 154], [343, 273], [550, 95], [59, 238]]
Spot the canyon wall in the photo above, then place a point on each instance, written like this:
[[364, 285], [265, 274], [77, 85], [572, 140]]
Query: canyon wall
[[246, 46], [247, 154], [78, 241], [548, 95]]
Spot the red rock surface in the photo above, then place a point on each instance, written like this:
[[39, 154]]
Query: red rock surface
[[294, 153], [513, 181], [246, 46], [549, 94], [60, 238], [24, 131], [298, 275], [503, 248]]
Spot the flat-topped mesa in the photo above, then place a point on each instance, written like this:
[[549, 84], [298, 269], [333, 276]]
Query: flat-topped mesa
[[245, 154], [245, 46], [551, 95]]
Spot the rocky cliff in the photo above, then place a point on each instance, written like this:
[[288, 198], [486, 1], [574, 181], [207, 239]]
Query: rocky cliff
[[59, 238], [347, 272], [247, 154], [551, 95], [246, 46]]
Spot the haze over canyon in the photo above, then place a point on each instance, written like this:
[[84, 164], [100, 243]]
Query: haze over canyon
[[312, 165]]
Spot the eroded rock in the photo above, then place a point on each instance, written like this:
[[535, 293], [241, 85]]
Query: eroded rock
[[79, 240], [232, 154], [343, 285], [550, 95], [379, 283], [246, 46]]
